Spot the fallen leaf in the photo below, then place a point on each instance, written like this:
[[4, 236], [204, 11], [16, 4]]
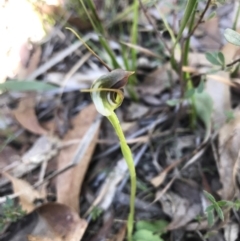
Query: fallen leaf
[[26, 116], [136, 111], [231, 231], [120, 236], [160, 178], [43, 149], [204, 109], [183, 205], [36, 238], [211, 36], [27, 194], [52, 221], [73, 178], [160, 79], [229, 142]]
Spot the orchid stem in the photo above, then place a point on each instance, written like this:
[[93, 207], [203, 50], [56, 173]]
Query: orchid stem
[[127, 154]]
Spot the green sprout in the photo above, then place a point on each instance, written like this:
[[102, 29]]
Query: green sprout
[[10, 213]]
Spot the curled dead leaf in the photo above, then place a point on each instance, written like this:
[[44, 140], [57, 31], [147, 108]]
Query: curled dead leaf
[[26, 116]]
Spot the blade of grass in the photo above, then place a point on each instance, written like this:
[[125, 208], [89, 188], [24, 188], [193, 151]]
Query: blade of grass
[[190, 7], [236, 18], [191, 4], [134, 34], [90, 50], [119, 17], [186, 75], [99, 29]]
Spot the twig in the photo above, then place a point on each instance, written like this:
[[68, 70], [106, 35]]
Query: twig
[[234, 62], [200, 19]]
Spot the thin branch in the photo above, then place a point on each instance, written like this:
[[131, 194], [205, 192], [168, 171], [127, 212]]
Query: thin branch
[[200, 19], [234, 62]]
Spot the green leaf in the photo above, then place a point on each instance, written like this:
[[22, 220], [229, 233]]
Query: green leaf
[[191, 4], [221, 58], [145, 235], [204, 108], [210, 218], [232, 36], [210, 208], [189, 93], [219, 212], [229, 115], [23, 85], [211, 15], [222, 203], [213, 58], [200, 87], [237, 205], [209, 196], [154, 226], [173, 102]]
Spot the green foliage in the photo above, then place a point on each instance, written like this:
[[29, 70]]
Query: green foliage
[[149, 230], [229, 115], [95, 213], [204, 108], [134, 33], [216, 58], [217, 206], [211, 15], [98, 27], [190, 8], [232, 36], [173, 102], [23, 85], [10, 213]]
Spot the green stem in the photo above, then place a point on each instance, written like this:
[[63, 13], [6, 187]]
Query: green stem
[[127, 154], [186, 75], [236, 18]]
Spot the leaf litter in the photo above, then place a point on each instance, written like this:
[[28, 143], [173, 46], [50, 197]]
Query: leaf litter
[[77, 176]]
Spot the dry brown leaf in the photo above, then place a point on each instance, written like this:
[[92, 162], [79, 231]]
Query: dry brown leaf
[[229, 143], [160, 79], [26, 116], [218, 87], [183, 204], [52, 221], [121, 234], [36, 238], [211, 36], [159, 179], [136, 111], [27, 194], [73, 178]]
